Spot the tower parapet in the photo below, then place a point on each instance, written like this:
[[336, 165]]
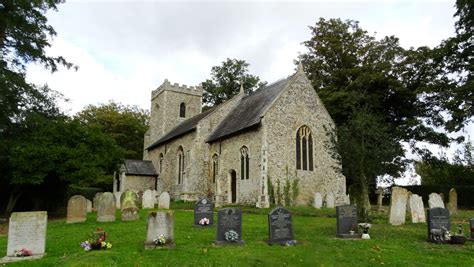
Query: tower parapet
[[176, 87]]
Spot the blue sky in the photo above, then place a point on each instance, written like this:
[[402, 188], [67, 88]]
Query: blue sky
[[125, 49]]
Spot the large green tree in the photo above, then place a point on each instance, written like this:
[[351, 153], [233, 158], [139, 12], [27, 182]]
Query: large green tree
[[226, 81], [125, 124], [375, 90]]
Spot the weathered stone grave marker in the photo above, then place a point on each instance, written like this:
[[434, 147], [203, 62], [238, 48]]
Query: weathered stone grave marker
[[149, 199], [453, 201], [417, 210], [398, 205], [76, 209], [160, 223], [280, 226], [106, 207], [379, 193], [318, 200], [26, 230], [347, 221], [229, 227], [438, 224], [204, 213], [164, 202], [435, 201], [330, 201], [129, 206]]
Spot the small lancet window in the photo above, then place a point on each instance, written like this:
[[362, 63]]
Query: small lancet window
[[161, 162], [215, 167], [182, 110], [244, 163], [180, 165], [304, 149]]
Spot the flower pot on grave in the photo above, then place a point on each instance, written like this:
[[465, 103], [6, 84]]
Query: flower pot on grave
[[458, 239]]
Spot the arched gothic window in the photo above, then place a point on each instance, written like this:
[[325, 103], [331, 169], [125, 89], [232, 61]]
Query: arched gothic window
[[180, 165], [161, 162], [215, 167], [182, 110], [244, 163], [304, 149]]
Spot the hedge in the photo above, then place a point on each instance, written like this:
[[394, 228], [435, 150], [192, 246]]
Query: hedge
[[465, 193], [87, 192]]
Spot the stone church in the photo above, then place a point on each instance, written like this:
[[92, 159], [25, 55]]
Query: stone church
[[237, 151]]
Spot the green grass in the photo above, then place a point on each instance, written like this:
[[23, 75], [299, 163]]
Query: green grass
[[314, 229]]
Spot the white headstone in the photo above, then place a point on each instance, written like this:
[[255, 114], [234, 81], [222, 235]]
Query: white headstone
[[330, 202], [148, 199], [27, 230], [160, 223], [89, 206], [164, 202], [118, 200], [417, 210], [318, 200], [398, 205], [435, 201]]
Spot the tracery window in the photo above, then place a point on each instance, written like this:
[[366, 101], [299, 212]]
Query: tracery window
[[244, 163], [304, 149]]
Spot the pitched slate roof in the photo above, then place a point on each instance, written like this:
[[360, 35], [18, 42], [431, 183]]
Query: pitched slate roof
[[249, 112], [139, 167], [183, 128]]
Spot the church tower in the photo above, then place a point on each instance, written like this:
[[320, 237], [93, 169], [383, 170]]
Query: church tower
[[171, 104]]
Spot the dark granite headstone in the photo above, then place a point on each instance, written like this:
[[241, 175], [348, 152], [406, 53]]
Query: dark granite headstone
[[438, 218], [472, 228], [229, 227], [204, 208], [280, 226], [347, 221]]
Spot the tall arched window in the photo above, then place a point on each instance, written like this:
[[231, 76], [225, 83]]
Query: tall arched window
[[304, 149], [182, 110], [244, 163], [180, 165], [161, 162], [215, 167]]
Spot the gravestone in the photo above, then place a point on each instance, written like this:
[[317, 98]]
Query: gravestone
[[438, 218], [417, 210], [408, 201], [160, 223], [204, 208], [330, 202], [89, 206], [229, 227], [95, 200], [318, 200], [453, 201], [379, 193], [435, 201], [164, 201], [347, 221], [106, 207], [441, 195], [26, 230], [280, 226], [129, 206], [76, 209], [118, 200], [148, 199], [398, 205]]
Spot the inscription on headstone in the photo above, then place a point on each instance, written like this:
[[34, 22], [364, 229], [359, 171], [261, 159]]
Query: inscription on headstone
[[229, 227], [280, 226], [27, 230], [204, 209], [347, 221], [438, 218]]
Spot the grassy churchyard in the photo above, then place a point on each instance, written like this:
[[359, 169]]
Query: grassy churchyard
[[314, 230]]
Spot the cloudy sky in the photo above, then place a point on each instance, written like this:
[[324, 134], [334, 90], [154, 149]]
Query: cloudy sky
[[125, 49]]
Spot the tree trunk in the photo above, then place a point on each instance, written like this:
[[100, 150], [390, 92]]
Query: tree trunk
[[14, 196]]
